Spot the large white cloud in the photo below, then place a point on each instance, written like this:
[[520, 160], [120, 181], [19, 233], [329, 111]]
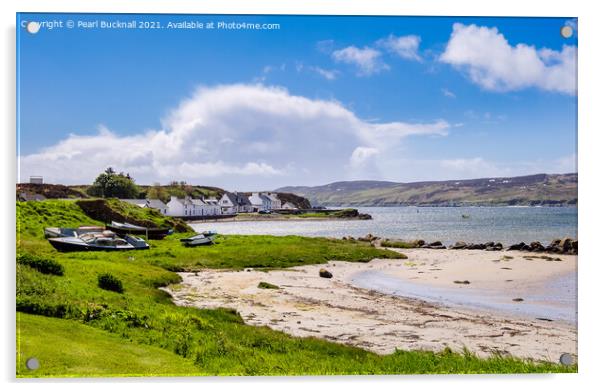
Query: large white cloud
[[237, 136], [494, 64]]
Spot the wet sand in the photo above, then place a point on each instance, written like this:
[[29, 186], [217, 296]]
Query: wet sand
[[404, 313]]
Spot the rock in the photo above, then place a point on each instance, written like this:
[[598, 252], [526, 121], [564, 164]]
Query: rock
[[465, 282], [441, 247], [419, 243], [459, 246], [574, 246], [517, 246], [489, 244], [518, 299], [476, 246], [498, 246], [526, 247], [555, 242], [325, 273], [566, 244], [437, 243], [537, 246]]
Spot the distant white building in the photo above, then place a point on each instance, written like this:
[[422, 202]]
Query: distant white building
[[187, 207], [274, 201], [38, 180], [288, 205], [232, 203], [144, 203], [260, 202]]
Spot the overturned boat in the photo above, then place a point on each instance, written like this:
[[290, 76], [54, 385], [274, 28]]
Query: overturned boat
[[98, 241], [199, 240], [150, 233], [58, 232]]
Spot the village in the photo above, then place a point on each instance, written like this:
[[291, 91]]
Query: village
[[230, 204]]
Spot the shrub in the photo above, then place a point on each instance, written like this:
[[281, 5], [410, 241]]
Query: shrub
[[43, 265], [109, 282]]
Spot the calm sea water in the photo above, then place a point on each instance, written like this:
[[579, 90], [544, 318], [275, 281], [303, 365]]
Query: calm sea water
[[505, 224]]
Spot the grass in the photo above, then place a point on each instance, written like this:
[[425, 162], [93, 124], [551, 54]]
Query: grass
[[140, 331], [398, 244], [88, 351]]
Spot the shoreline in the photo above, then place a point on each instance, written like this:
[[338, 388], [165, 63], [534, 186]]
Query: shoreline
[[268, 219], [338, 310]]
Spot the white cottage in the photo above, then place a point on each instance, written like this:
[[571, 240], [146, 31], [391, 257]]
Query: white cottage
[[232, 203], [260, 202], [275, 201]]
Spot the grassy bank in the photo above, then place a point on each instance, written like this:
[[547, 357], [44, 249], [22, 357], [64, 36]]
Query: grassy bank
[[90, 331]]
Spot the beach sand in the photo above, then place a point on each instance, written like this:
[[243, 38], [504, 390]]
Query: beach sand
[[340, 310]]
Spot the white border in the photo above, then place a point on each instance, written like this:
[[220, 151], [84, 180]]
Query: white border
[[590, 126]]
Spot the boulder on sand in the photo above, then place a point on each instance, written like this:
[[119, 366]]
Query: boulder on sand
[[325, 273], [517, 246], [459, 246], [537, 246]]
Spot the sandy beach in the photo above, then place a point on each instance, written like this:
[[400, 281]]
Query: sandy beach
[[507, 302]]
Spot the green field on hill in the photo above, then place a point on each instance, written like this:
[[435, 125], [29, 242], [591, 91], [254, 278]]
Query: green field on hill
[[76, 328]]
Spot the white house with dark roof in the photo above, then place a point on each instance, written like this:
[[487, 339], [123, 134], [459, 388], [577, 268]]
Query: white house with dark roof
[[189, 207], [275, 201], [260, 202], [232, 203]]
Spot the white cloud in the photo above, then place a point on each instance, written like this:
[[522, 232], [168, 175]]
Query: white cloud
[[328, 74], [491, 62], [405, 46], [448, 93], [361, 155], [367, 60], [236, 136]]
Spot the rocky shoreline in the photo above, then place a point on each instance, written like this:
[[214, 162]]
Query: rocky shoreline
[[557, 246]]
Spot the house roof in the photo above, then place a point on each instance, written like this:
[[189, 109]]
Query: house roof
[[138, 202], [273, 197], [157, 204], [265, 198], [238, 199]]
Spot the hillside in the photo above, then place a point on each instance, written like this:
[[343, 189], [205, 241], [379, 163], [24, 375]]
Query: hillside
[[163, 192], [540, 189]]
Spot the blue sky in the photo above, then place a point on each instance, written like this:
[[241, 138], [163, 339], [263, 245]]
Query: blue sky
[[320, 99]]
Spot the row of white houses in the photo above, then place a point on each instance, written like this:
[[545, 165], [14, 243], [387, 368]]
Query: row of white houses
[[228, 204]]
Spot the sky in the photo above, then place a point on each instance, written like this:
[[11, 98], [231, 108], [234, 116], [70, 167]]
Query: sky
[[304, 100]]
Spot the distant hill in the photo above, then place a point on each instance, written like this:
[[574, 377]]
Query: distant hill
[[539, 189]]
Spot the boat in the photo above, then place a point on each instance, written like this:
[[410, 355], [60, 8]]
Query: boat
[[150, 233], [198, 240], [59, 232], [211, 234], [98, 241]]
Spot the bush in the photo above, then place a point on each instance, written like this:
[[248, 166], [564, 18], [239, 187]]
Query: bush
[[109, 282], [43, 265]]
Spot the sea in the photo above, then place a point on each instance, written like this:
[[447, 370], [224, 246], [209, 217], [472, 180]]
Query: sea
[[507, 225]]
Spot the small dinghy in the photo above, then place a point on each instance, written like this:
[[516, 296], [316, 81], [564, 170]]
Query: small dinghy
[[98, 241], [56, 232], [198, 240], [150, 233]]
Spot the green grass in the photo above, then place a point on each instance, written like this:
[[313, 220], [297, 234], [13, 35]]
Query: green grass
[[140, 331], [398, 244], [88, 351]]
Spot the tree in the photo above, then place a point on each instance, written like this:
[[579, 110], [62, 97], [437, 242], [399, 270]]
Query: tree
[[110, 184], [157, 192]]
